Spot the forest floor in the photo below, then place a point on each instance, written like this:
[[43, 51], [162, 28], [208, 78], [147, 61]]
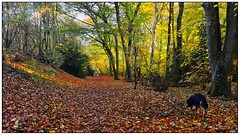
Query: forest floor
[[101, 104]]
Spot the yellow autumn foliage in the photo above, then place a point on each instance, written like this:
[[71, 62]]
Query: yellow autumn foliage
[[148, 8], [43, 10], [89, 20]]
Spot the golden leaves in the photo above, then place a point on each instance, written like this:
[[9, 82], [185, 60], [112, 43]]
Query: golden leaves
[[28, 68], [44, 9], [89, 21], [148, 8]]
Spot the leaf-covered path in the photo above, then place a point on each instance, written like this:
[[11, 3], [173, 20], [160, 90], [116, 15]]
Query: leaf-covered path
[[101, 104]]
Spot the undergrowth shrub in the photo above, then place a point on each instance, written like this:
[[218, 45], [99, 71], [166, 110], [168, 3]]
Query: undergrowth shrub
[[157, 82], [75, 62]]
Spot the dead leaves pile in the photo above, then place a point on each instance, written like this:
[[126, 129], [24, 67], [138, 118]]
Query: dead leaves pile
[[101, 104]]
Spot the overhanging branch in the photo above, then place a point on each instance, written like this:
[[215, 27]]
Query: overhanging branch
[[94, 38], [78, 19]]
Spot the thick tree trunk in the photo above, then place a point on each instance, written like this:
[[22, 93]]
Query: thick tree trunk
[[231, 40], [220, 59], [213, 34], [219, 85]]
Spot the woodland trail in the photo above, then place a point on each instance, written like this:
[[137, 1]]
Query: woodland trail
[[101, 104]]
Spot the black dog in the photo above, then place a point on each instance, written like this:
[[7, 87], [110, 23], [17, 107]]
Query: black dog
[[198, 100]]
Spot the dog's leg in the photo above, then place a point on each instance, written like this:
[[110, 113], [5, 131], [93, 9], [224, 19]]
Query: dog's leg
[[196, 111], [204, 112]]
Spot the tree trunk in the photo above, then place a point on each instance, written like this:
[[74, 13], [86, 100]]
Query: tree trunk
[[169, 41], [110, 67], [173, 33], [121, 33], [40, 43], [7, 45], [154, 26], [130, 33], [111, 58], [231, 40], [135, 60], [219, 85], [54, 29], [220, 59], [159, 53], [25, 46], [117, 56], [213, 34], [7, 42], [177, 60], [113, 67], [127, 49]]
